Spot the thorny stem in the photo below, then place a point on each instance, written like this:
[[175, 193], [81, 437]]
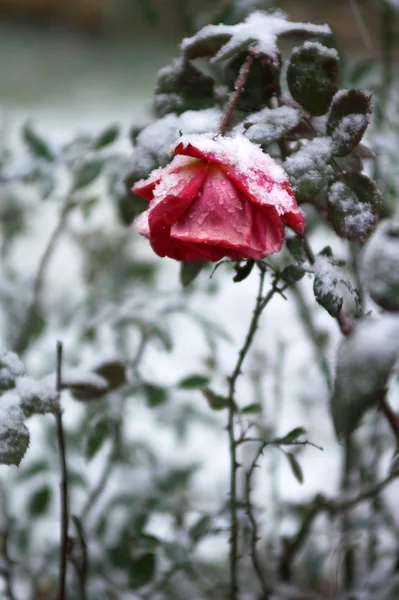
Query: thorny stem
[[23, 338], [239, 87], [232, 442], [64, 481]]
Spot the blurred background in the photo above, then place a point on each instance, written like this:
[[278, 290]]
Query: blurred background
[[68, 69]]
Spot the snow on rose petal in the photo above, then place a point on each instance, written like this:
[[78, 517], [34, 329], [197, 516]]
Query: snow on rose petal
[[219, 197]]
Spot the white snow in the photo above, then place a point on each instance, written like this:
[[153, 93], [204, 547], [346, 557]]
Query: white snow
[[360, 217], [322, 50], [11, 366], [246, 160], [270, 124], [260, 31], [36, 396], [309, 164]]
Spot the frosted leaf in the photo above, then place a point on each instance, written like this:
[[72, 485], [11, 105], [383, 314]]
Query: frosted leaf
[[271, 124], [312, 76], [11, 368], [380, 265], [308, 169], [37, 397], [364, 362], [353, 206], [84, 384], [327, 276], [14, 436], [260, 31], [349, 116]]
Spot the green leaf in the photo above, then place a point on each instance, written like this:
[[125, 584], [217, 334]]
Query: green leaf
[[142, 571], [96, 438], [295, 466], [193, 382], [155, 395], [200, 528], [87, 172], [292, 274], [269, 125], [251, 409], [36, 144], [39, 501], [35, 468], [326, 294], [190, 271], [348, 119], [215, 401], [292, 436], [120, 555], [296, 249], [312, 76], [107, 137]]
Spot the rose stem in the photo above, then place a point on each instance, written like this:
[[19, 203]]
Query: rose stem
[[239, 87], [64, 482]]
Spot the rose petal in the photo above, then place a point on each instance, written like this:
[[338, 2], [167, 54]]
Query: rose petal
[[253, 171], [141, 224], [145, 187], [222, 217], [174, 193], [164, 245]]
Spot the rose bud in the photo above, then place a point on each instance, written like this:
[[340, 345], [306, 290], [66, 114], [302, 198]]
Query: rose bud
[[220, 196]]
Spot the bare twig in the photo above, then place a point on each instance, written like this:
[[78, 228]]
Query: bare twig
[[81, 564], [23, 337], [239, 87], [321, 504], [277, 442], [6, 570], [64, 481], [97, 491], [254, 526]]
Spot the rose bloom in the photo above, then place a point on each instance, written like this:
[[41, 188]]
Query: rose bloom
[[220, 196]]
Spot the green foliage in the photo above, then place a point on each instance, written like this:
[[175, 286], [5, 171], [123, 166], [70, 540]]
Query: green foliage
[[312, 76], [39, 502]]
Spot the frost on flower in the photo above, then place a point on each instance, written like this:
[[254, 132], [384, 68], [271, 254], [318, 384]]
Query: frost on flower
[[260, 31], [220, 196], [14, 436]]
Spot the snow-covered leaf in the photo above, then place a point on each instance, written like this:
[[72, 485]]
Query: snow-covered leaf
[[181, 87], [353, 206], [309, 170], [364, 363], [84, 385], [268, 125], [14, 435], [312, 76], [349, 116], [260, 32], [292, 274], [11, 368], [327, 276], [37, 397], [380, 265]]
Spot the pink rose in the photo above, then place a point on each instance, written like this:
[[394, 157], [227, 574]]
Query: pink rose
[[220, 196]]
